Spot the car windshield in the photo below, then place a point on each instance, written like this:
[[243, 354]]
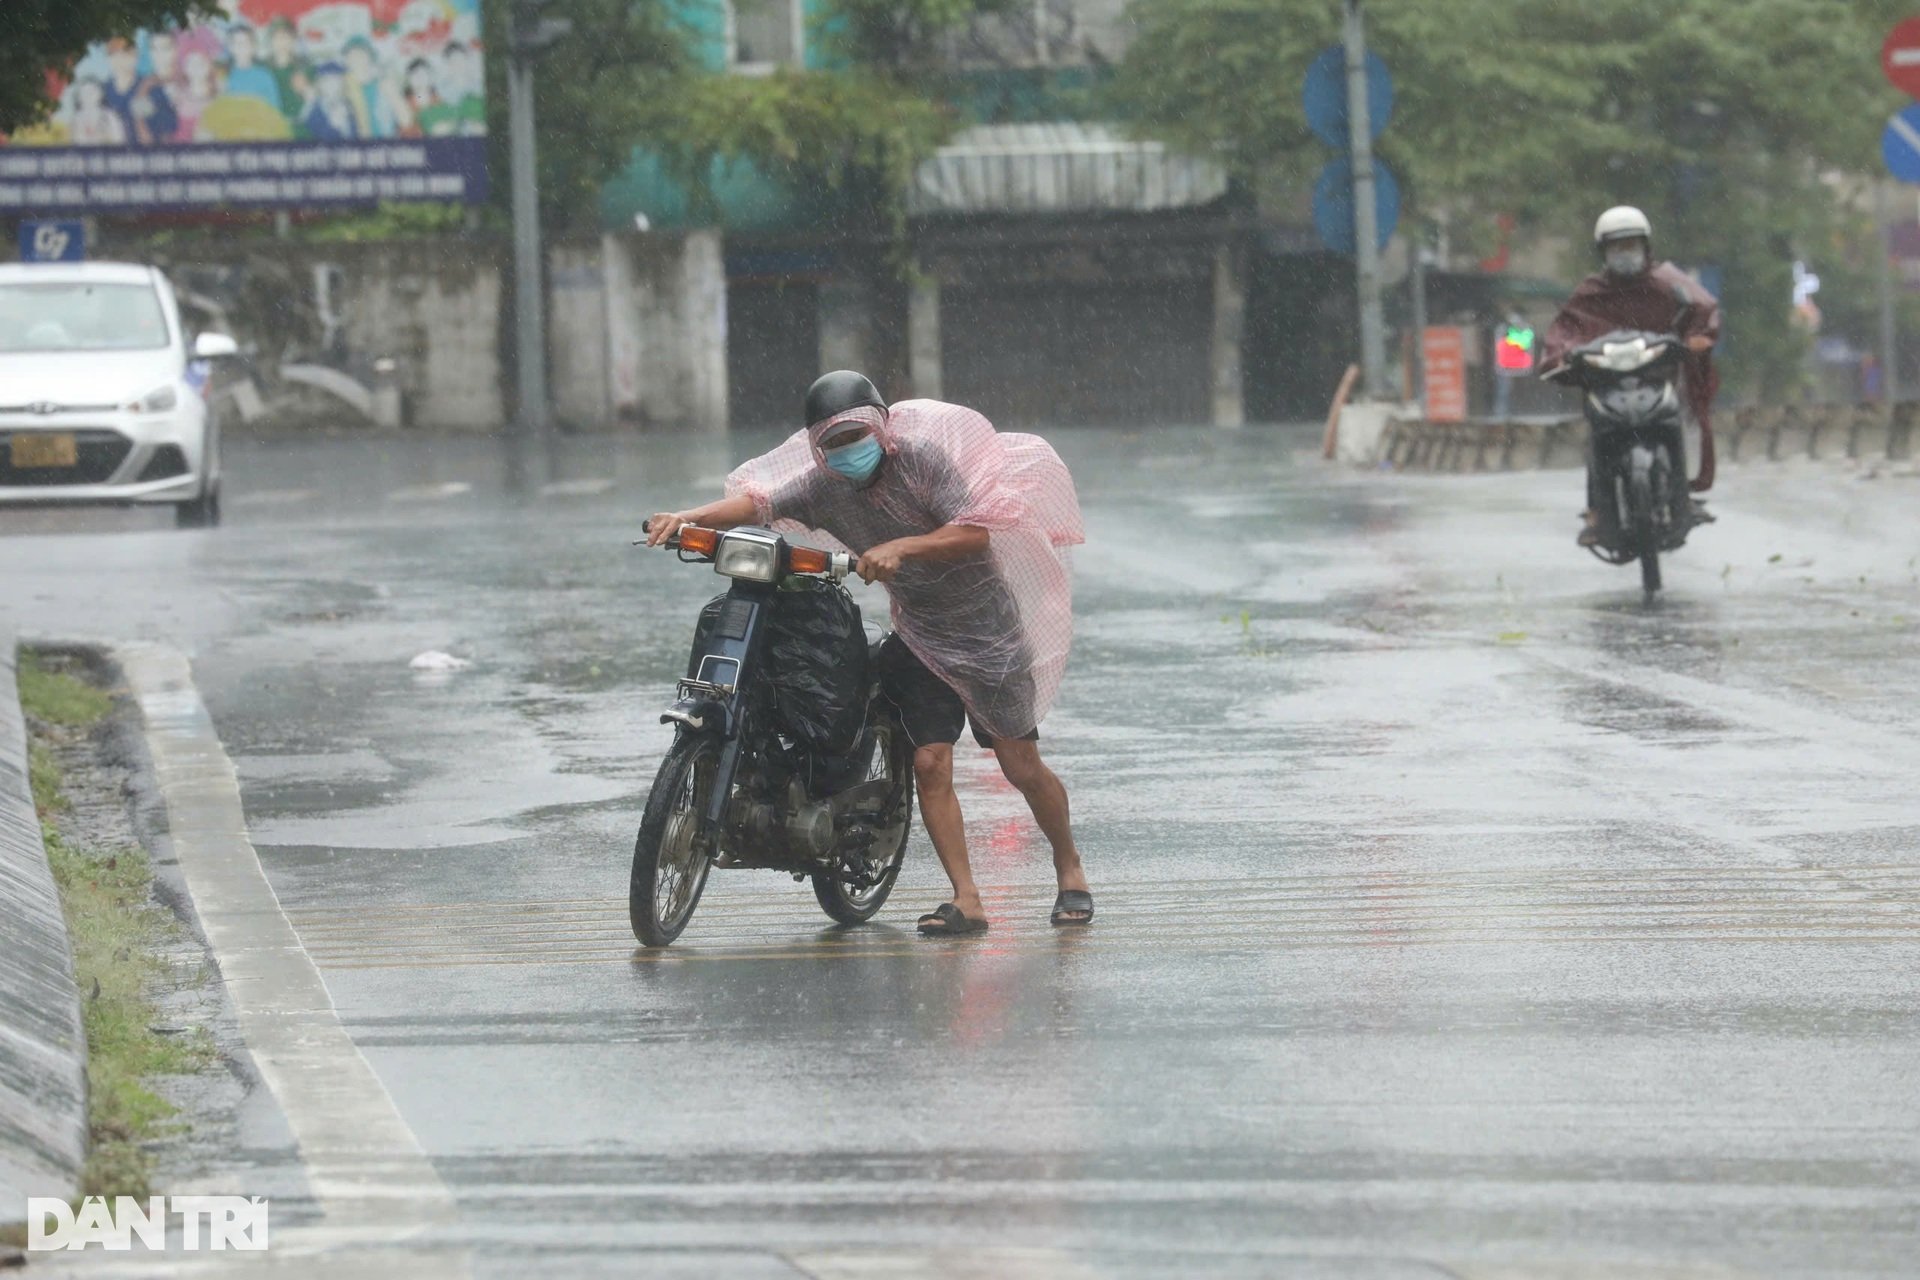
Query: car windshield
[[79, 316]]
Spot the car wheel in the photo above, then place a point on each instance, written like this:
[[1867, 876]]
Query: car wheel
[[202, 512]]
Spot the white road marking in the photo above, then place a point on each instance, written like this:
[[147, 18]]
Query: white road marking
[[371, 1180], [430, 492], [1592, 1271], [271, 497], [575, 488], [943, 1264]]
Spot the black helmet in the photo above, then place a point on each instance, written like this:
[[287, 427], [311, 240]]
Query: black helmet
[[835, 393]]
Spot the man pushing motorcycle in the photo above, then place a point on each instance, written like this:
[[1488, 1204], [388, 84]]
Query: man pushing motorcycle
[[1632, 291], [969, 530]]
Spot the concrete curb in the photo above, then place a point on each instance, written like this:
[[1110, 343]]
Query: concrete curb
[[43, 1049], [371, 1180]]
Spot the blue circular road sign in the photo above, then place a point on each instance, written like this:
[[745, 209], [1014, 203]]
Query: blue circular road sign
[[1900, 145], [1333, 204], [1325, 96]]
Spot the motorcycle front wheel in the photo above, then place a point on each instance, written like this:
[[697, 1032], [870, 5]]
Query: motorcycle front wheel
[[670, 861], [1643, 533], [892, 764], [1650, 569]]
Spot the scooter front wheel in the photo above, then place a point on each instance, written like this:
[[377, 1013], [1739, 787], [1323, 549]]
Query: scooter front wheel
[[670, 860], [1641, 486]]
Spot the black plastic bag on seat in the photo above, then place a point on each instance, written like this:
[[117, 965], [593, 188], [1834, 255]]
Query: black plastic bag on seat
[[817, 658]]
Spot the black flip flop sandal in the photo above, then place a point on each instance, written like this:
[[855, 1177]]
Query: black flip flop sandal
[[948, 921], [1068, 903]]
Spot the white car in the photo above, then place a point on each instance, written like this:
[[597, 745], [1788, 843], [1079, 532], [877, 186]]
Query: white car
[[103, 396]]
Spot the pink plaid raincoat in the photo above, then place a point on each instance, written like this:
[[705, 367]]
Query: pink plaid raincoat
[[996, 627]]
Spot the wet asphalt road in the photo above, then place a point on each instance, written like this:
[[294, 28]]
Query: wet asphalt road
[[1458, 914]]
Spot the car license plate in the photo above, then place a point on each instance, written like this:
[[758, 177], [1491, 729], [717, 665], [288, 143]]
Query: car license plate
[[40, 450]]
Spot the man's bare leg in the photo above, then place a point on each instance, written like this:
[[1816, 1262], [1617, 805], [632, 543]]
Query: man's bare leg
[[1047, 796], [940, 810]]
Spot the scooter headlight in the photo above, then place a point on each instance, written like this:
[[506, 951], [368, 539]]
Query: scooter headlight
[[753, 556]]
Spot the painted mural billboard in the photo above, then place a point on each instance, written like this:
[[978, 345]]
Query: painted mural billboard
[[270, 104]]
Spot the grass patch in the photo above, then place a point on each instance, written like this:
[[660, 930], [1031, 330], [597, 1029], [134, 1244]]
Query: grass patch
[[116, 931], [50, 691], [44, 776]]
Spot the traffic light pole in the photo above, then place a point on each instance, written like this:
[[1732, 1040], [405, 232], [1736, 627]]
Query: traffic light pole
[[529, 310], [1366, 225]]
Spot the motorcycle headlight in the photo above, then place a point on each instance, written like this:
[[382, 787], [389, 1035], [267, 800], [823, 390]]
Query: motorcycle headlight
[[159, 400], [754, 557], [1625, 357]]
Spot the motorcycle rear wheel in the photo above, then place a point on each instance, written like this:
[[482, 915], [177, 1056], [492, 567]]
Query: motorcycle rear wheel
[[670, 861], [893, 761]]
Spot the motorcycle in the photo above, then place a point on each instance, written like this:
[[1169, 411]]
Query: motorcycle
[[1632, 405], [785, 755]]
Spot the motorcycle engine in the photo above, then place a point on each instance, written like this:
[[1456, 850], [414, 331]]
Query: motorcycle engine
[[810, 830]]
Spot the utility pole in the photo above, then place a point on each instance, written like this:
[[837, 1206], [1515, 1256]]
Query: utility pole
[[1889, 346], [1366, 226], [1419, 283], [531, 35]]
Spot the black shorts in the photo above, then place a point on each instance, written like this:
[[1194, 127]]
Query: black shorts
[[929, 708]]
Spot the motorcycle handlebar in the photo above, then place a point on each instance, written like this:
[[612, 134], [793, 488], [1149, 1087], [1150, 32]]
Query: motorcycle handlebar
[[840, 564]]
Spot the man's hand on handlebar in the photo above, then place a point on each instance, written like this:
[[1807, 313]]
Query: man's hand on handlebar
[[881, 563], [663, 525]]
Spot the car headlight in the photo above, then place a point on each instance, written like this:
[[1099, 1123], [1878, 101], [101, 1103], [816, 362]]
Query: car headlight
[[754, 557], [159, 400]]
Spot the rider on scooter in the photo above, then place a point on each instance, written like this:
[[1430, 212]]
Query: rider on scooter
[[1632, 291]]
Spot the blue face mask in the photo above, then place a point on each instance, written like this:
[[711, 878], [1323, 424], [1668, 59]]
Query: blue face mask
[[857, 461]]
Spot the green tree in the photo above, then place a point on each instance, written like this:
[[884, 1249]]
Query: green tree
[[855, 136], [857, 129], [1721, 120], [900, 37], [622, 77], [43, 37], [626, 78]]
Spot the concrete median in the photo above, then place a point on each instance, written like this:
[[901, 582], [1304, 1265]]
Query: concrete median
[[43, 1052], [1750, 433]]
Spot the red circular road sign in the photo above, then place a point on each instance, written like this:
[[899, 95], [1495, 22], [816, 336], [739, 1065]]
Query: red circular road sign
[[1900, 57]]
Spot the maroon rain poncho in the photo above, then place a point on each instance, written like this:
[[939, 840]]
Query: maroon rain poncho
[[1664, 299]]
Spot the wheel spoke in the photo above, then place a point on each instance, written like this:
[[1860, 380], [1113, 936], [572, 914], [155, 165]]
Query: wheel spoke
[[880, 769], [677, 871]]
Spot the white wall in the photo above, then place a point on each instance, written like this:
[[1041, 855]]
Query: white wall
[[665, 300], [434, 306], [578, 336]]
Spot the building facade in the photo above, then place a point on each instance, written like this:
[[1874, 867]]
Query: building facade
[[1061, 271]]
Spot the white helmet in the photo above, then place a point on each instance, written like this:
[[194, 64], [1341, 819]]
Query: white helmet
[[1622, 222]]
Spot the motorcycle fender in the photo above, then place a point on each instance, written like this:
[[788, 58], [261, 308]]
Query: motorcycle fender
[[700, 715]]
